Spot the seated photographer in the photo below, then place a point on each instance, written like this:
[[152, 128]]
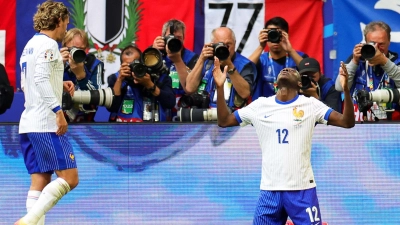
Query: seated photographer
[[134, 94], [281, 55], [177, 58], [318, 85], [373, 68], [84, 70], [241, 71]]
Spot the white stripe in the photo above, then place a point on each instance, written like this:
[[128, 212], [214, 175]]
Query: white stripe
[[2, 46]]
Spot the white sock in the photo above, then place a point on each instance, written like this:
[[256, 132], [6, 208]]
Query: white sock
[[31, 200], [53, 192]]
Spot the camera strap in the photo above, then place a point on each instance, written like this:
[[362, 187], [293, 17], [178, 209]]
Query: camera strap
[[271, 62], [370, 79]]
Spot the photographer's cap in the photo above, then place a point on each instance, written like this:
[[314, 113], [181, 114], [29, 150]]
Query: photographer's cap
[[308, 65]]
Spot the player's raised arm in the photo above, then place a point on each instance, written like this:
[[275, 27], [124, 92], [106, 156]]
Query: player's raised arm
[[346, 119], [225, 117]]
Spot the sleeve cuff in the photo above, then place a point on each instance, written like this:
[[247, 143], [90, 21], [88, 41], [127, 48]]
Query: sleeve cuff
[[236, 114], [56, 109]]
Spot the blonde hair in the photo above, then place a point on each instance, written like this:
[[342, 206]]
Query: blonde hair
[[71, 34], [49, 14]]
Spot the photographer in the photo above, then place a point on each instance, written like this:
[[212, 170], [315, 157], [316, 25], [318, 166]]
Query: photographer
[[241, 71], [177, 58], [281, 55], [377, 70], [86, 75], [133, 95], [318, 85]]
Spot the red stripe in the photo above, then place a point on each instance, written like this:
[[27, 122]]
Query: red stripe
[[305, 24], [8, 23], [155, 14]]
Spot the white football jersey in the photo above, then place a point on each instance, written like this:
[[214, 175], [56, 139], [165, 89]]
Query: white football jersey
[[285, 130], [42, 72]]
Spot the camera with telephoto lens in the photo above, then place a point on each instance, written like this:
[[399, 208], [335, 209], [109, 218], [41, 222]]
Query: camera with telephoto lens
[[101, 97], [194, 114], [173, 43], [196, 100], [274, 35], [306, 82], [365, 99], [368, 50], [78, 55], [221, 51], [151, 62]]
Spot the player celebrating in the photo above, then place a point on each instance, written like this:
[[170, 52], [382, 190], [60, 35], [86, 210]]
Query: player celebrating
[[42, 125], [285, 123]]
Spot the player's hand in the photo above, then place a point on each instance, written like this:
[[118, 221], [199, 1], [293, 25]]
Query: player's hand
[[344, 81], [64, 54], [61, 123], [357, 53], [219, 76], [207, 52], [69, 87], [159, 43]]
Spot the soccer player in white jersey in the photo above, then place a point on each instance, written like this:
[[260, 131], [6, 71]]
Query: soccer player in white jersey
[[42, 126], [284, 124]]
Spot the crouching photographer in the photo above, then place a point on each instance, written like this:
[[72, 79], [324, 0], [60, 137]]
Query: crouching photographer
[[315, 84], [142, 87], [84, 70]]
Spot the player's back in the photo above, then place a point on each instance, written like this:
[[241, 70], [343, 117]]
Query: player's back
[[42, 81]]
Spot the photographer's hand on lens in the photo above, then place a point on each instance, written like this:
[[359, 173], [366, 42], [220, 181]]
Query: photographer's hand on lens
[[174, 57], [378, 59], [69, 87], [159, 43], [125, 70], [77, 68], [285, 43], [357, 53], [263, 38], [64, 54], [219, 76], [207, 52], [145, 81], [311, 91]]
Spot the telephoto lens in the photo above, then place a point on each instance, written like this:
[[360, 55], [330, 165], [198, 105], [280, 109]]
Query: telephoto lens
[[78, 55], [173, 43], [368, 50], [274, 36], [138, 68]]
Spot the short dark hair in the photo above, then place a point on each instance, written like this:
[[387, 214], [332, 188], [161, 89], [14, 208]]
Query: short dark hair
[[131, 46], [176, 24], [279, 22]]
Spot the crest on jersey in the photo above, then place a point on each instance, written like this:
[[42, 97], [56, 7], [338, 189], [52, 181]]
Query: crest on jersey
[[72, 156], [110, 24], [298, 114], [49, 55]]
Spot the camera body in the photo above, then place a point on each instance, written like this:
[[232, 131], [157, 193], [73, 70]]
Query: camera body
[[197, 100], [78, 55], [138, 68], [274, 35], [173, 43], [368, 50], [221, 51], [306, 82], [151, 62]]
